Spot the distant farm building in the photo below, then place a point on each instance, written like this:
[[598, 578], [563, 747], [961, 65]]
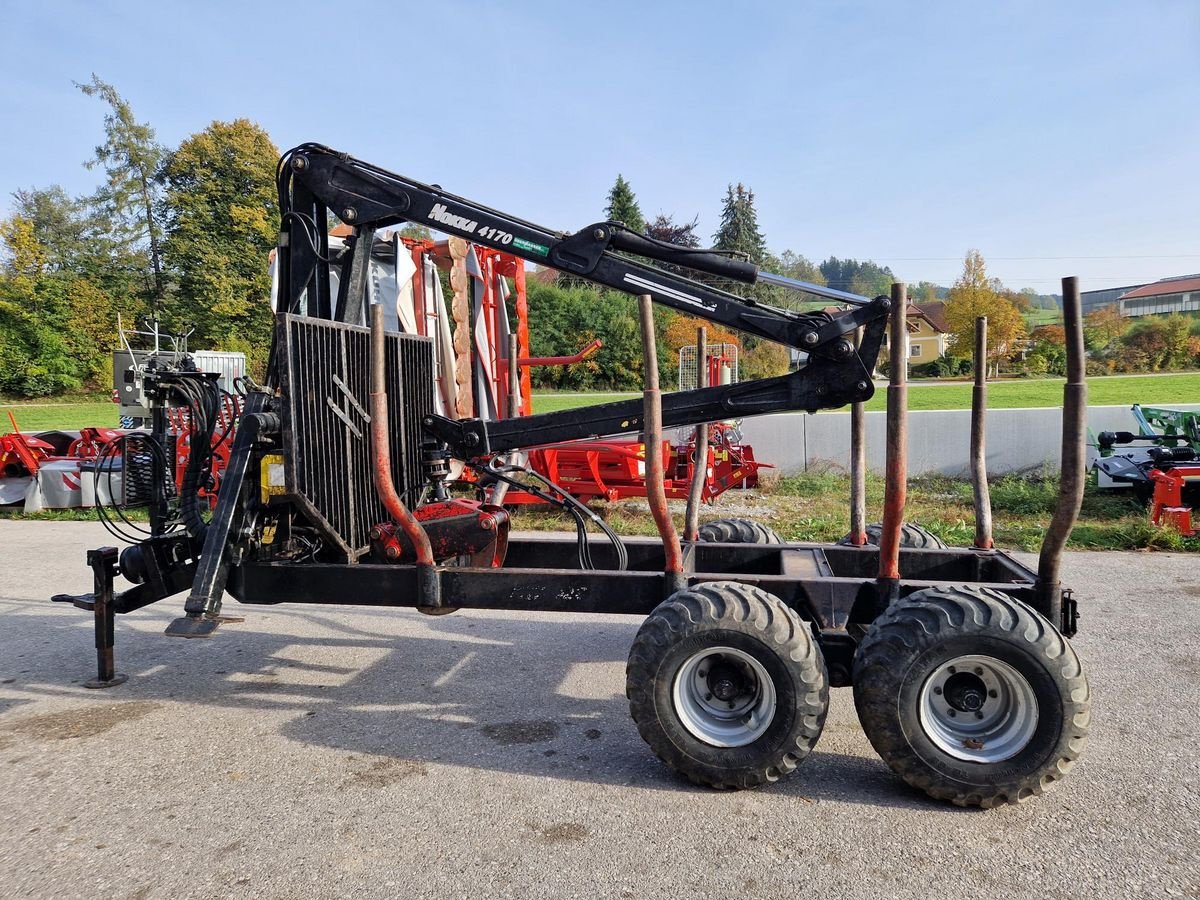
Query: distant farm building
[[1170, 295], [1094, 300]]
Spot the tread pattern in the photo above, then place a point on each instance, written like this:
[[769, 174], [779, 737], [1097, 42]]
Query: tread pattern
[[729, 606], [921, 621], [738, 531], [912, 536]]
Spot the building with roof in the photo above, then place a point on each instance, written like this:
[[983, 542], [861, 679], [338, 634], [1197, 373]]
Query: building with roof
[[1094, 300], [927, 332], [1170, 295]]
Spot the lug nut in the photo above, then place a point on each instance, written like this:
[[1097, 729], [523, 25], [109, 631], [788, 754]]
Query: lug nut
[[979, 715], [953, 714], [952, 670], [708, 696], [992, 693], [937, 690], [979, 670]]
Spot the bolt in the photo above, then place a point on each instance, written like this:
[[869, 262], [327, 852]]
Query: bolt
[[861, 386], [885, 303], [487, 524], [376, 534], [952, 670], [349, 214], [428, 420], [599, 234], [992, 693], [471, 439], [708, 696], [299, 163], [937, 690], [979, 670], [732, 704], [811, 337], [392, 551], [979, 715], [953, 714], [702, 673]]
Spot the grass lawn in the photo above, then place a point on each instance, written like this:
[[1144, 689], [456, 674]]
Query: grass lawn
[[813, 507], [64, 416], [1111, 390]]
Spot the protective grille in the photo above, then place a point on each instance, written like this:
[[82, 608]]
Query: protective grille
[[327, 439]]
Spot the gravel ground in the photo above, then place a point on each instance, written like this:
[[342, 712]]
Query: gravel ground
[[330, 752]]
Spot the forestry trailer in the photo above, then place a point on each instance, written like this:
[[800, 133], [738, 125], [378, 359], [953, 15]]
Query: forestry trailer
[[336, 492]]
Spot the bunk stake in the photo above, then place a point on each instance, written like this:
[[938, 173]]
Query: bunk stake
[[858, 467], [1072, 473], [104, 568], [896, 478], [979, 483], [691, 519], [656, 494]]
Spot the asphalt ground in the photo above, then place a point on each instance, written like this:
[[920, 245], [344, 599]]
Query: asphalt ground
[[335, 752]]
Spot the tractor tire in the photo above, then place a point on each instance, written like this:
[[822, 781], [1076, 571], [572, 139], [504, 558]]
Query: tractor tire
[[737, 531], [971, 696], [911, 537], [727, 685]]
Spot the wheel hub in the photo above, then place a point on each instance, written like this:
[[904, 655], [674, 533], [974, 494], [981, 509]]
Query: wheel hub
[[965, 691], [978, 708], [724, 697]]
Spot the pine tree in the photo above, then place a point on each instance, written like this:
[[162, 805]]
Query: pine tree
[[130, 157], [623, 206], [739, 232]]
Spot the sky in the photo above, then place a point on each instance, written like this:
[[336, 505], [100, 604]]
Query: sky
[[1059, 138]]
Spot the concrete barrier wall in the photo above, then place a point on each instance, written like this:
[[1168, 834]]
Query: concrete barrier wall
[[1018, 440]]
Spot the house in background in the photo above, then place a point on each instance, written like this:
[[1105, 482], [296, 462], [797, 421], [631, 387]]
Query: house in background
[[1170, 295], [927, 332]]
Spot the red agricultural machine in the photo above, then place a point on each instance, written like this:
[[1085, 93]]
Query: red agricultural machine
[[340, 490]]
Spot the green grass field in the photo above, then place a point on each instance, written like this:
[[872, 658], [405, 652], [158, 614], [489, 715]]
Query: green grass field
[[1114, 390]]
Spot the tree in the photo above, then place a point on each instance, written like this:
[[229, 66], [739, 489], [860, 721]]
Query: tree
[[738, 233], [130, 157], [623, 206], [974, 295], [924, 292], [866, 278], [222, 216], [1103, 327], [665, 228]]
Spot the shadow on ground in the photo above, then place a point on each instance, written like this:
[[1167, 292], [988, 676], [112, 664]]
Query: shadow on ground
[[539, 696]]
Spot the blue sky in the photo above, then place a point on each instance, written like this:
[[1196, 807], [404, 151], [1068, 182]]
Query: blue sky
[[1057, 137]]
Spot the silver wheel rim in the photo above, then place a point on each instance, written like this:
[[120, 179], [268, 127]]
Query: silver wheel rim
[[724, 697], [978, 709]]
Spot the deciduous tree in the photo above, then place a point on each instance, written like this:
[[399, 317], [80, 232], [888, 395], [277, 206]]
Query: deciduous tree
[[974, 295], [222, 215]]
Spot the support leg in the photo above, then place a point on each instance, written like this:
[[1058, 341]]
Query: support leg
[[104, 568]]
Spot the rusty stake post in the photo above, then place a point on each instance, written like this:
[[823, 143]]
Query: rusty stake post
[[982, 496], [427, 578], [1072, 473], [691, 519], [896, 478], [656, 494], [858, 468]]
